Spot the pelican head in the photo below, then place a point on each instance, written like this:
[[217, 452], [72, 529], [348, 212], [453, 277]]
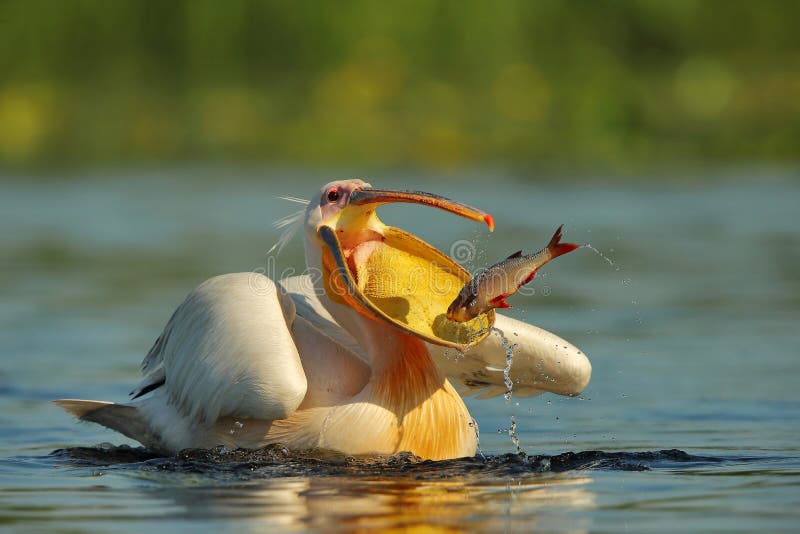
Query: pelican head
[[383, 272]]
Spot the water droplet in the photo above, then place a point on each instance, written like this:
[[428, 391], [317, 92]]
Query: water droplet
[[606, 258], [509, 362], [512, 432]]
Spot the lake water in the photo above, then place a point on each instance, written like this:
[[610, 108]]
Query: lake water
[[692, 333]]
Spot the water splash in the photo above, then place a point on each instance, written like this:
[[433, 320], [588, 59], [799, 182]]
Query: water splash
[[636, 313], [626, 282], [512, 433], [608, 260], [509, 349], [474, 425], [277, 460], [454, 355]]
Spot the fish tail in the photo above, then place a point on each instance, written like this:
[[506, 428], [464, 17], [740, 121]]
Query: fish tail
[[556, 247]]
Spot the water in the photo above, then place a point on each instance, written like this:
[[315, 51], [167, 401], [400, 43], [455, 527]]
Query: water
[[693, 342]]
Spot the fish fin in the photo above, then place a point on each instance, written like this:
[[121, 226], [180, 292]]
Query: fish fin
[[517, 254], [528, 278], [500, 301], [556, 247]]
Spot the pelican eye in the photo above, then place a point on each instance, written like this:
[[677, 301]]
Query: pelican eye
[[333, 195]]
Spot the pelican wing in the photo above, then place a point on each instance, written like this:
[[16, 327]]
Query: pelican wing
[[542, 361], [228, 351]]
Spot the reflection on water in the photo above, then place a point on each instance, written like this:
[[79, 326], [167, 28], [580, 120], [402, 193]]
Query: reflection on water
[[354, 505]]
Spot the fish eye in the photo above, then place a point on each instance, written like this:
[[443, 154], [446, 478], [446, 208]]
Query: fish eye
[[333, 194]]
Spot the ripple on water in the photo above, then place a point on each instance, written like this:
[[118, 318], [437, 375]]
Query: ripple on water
[[279, 461]]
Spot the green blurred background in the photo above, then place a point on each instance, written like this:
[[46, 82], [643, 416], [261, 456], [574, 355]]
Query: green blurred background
[[417, 83]]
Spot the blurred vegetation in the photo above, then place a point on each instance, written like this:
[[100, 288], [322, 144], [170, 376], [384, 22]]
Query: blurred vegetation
[[402, 83]]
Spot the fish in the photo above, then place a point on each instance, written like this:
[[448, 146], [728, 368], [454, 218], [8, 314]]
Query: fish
[[490, 288]]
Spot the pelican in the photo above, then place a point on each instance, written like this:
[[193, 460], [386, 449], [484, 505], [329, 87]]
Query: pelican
[[354, 356]]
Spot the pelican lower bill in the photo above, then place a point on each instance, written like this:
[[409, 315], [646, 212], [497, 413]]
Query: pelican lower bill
[[413, 284]]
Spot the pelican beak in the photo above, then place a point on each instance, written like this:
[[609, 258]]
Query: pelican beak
[[365, 196], [393, 276]]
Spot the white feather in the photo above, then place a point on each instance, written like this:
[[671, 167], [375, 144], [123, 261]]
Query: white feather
[[289, 224], [302, 201], [228, 350]]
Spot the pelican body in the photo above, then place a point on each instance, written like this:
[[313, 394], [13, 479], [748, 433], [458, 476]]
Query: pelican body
[[350, 357]]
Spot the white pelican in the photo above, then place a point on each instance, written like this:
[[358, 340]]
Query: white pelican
[[353, 358]]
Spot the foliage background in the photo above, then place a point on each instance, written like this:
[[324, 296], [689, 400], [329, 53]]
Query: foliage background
[[409, 83]]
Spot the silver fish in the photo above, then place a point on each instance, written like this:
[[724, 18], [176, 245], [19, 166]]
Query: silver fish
[[490, 288]]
